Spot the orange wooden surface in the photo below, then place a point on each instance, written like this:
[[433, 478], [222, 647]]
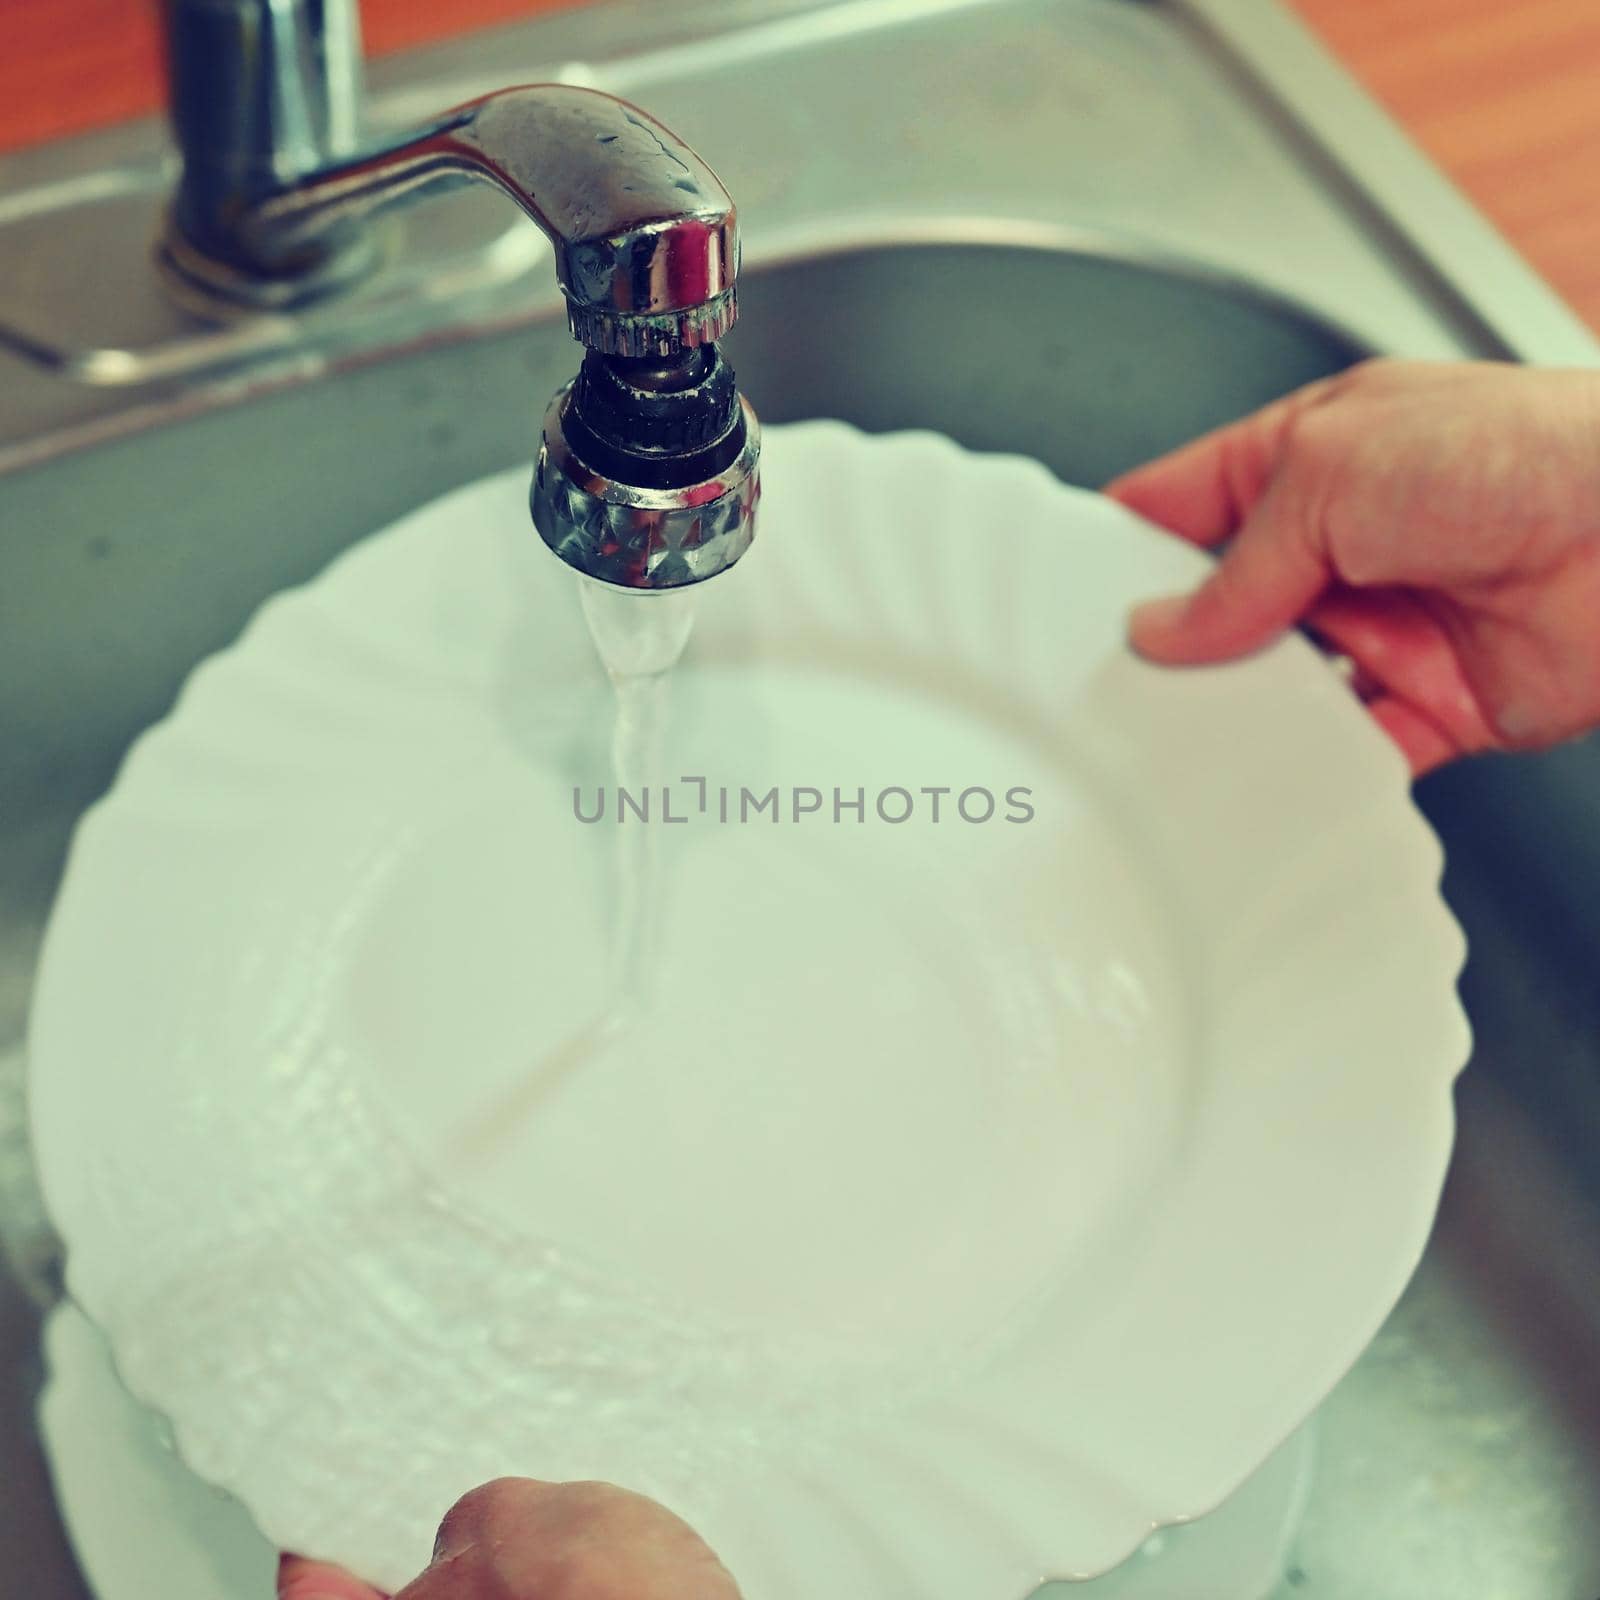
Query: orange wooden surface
[[75, 64], [1504, 94]]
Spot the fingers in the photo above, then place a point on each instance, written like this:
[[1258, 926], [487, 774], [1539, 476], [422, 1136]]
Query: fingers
[[1230, 483], [1204, 491], [1405, 653], [522, 1540], [1266, 583], [299, 1579], [1415, 688], [1421, 741]]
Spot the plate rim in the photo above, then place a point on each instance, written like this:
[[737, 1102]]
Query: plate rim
[[1442, 932]]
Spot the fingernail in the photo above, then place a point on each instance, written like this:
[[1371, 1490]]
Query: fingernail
[[453, 1541], [1156, 617]]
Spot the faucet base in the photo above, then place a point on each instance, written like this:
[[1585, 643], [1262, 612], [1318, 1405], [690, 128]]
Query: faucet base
[[101, 337], [211, 287]]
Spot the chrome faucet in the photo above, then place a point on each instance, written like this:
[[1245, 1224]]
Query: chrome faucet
[[646, 474]]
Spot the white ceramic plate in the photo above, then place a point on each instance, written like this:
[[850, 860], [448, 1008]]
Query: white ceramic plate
[[980, 1194], [142, 1524]]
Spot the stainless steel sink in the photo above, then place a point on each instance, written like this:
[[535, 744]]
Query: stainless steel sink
[[1199, 213]]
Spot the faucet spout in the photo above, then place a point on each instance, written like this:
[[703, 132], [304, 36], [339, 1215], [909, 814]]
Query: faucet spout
[[277, 193], [646, 237]]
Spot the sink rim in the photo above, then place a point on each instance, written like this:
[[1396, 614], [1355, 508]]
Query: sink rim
[[156, 404]]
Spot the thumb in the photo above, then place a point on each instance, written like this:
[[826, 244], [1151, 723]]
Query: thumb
[[299, 1579], [517, 1539], [1269, 578]]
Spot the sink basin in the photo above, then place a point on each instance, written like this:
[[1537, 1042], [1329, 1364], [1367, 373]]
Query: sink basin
[[1462, 1454], [1087, 362]]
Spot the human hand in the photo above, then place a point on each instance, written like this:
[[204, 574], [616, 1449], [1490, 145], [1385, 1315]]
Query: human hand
[[1438, 523], [521, 1540]]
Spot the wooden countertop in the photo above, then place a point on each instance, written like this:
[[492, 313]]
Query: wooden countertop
[[1503, 94]]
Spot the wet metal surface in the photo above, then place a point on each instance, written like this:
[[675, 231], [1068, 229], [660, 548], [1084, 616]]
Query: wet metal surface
[[1128, 223]]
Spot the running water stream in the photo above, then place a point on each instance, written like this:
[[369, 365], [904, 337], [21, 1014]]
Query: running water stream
[[640, 636]]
